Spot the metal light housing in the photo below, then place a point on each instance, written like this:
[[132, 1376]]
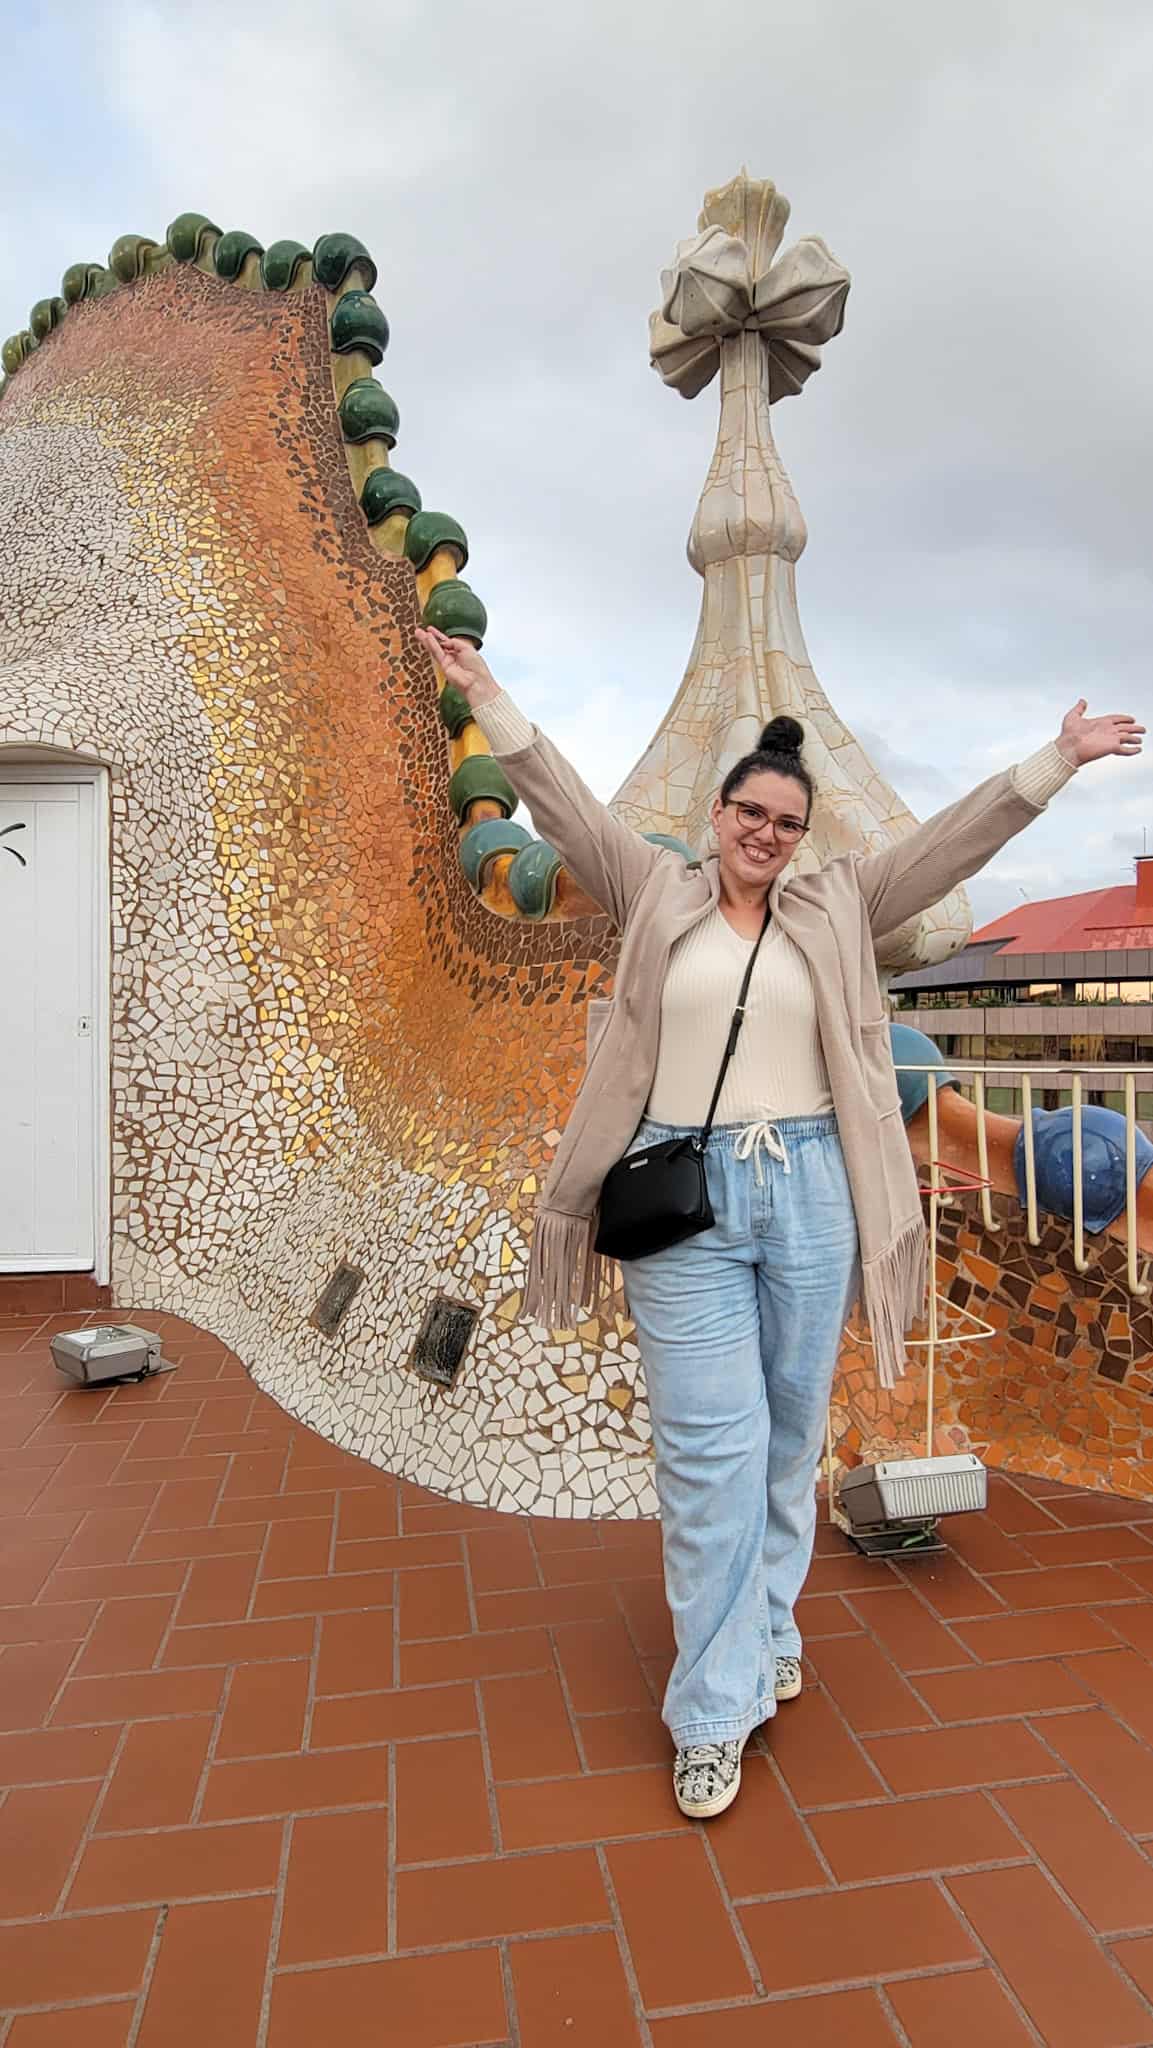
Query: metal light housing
[[106, 1352]]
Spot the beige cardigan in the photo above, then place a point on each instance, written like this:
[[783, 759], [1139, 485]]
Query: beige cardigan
[[833, 915]]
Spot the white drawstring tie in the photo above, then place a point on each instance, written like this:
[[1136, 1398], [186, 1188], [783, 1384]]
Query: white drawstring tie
[[762, 1140]]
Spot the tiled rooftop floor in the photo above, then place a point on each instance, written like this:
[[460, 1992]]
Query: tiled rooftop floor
[[300, 1755]]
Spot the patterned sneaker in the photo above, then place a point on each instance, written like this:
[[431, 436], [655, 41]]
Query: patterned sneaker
[[707, 1778], [789, 1680]]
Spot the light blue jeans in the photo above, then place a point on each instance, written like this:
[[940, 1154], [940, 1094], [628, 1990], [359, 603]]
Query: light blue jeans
[[739, 1330]]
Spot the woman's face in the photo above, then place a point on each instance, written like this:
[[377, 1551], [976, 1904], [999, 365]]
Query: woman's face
[[759, 829]]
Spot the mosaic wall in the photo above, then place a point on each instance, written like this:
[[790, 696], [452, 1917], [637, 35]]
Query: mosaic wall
[[326, 1048]]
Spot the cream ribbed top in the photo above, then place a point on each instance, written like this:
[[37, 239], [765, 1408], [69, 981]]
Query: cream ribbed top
[[778, 1068]]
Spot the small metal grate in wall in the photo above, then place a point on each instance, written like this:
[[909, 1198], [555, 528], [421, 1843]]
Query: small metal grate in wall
[[335, 1299], [442, 1339]]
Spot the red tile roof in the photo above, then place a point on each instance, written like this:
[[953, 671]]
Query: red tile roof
[[1098, 921]]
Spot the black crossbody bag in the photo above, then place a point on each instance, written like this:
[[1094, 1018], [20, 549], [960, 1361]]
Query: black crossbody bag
[[656, 1198]]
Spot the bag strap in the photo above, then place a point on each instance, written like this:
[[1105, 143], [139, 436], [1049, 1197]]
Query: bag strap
[[738, 1019]]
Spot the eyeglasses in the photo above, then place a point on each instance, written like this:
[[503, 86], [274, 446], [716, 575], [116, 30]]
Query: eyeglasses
[[753, 819]]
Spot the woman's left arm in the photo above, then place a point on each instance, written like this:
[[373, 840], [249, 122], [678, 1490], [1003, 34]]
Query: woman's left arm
[[917, 871]]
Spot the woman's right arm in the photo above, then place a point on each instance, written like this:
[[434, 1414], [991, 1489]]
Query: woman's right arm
[[609, 860]]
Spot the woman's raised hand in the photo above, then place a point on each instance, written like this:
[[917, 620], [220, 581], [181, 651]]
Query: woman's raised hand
[[461, 664], [1090, 739]]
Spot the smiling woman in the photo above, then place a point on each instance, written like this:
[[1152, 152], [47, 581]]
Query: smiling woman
[[808, 1194]]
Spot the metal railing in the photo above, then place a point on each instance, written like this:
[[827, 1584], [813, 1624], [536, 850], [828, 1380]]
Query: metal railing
[[1022, 1076]]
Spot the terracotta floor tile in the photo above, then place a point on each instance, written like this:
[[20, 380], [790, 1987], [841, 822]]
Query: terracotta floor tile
[[336, 1894], [502, 1560], [555, 1534], [572, 1993], [842, 1571], [939, 1759], [371, 1512], [432, 1601], [126, 1637], [1115, 1540], [1070, 1991], [1015, 1512], [548, 1607], [1121, 1679], [265, 1710], [986, 1692], [956, 2011], [50, 1756], [914, 1638], [399, 1715], [66, 1621], [576, 1567], [97, 1955], [185, 1504], [871, 1933], [24, 1572], [177, 1863], [1137, 1573], [1081, 1510], [529, 1731], [588, 1809], [442, 2001], [296, 1550], [905, 1837], [1134, 1625], [260, 1472], [841, 2019], [441, 1800], [500, 1896], [397, 1553], [157, 1774], [614, 1742], [40, 1831], [985, 1547], [952, 1590], [680, 1935], [278, 1507], [1136, 1957], [759, 1844], [825, 1614], [79, 2026], [356, 1652], [239, 1642], [236, 1539], [220, 1588], [1066, 1585], [296, 1784], [1110, 1761], [487, 1655], [821, 1762], [647, 1615], [1106, 1875], [329, 1595], [138, 1696], [600, 1668], [139, 1581], [867, 1688], [31, 1675], [1062, 1633], [209, 1977]]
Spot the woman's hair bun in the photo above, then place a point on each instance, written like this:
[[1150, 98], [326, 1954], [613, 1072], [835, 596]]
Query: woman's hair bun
[[783, 735]]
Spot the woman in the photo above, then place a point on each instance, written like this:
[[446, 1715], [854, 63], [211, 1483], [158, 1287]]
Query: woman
[[809, 1173]]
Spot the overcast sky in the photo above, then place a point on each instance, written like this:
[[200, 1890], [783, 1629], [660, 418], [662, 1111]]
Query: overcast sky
[[974, 460]]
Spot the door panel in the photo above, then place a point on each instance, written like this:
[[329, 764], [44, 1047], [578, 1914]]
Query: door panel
[[46, 1026]]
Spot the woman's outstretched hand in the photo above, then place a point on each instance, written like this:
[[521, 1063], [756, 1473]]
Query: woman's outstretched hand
[[1090, 739], [461, 664]]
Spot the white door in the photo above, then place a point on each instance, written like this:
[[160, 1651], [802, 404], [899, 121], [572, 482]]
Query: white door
[[47, 1026]]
